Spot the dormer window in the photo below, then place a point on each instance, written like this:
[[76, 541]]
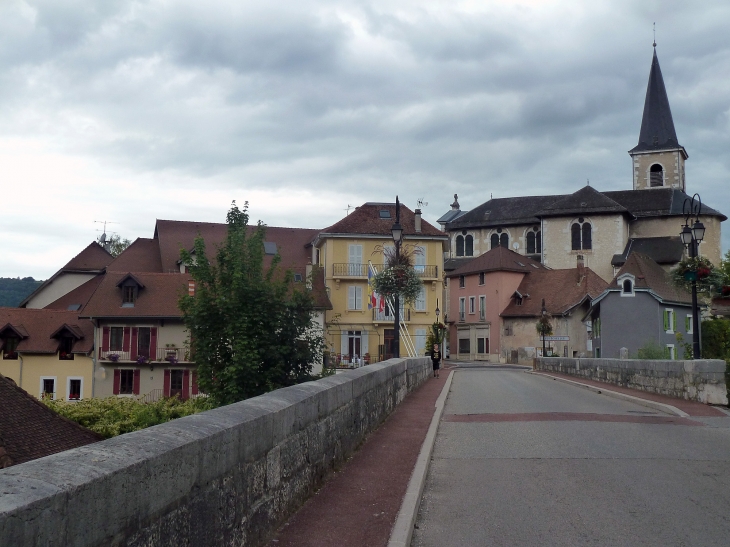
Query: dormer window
[[626, 283], [10, 346], [129, 296], [65, 347], [628, 287]]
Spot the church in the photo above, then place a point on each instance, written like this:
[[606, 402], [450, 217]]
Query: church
[[600, 228]]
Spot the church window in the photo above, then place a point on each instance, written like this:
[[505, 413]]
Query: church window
[[469, 246], [581, 237], [459, 245], [494, 241], [504, 240], [530, 243], [656, 175]]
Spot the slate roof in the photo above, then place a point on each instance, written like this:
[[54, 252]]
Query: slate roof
[[650, 275], [657, 126], [658, 202], [560, 289], [39, 325], [505, 212], [30, 430], [143, 255], [450, 264], [366, 220], [587, 200], [158, 298], [663, 250], [499, 259]]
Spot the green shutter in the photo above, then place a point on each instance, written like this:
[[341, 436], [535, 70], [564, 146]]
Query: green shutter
[[687, 320], [674, 322], [666, 352], [666, 319]]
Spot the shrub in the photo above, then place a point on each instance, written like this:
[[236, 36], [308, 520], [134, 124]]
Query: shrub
[[652, 350]]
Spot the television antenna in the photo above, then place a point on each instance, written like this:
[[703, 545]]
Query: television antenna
[[348, 208], [421, 203], [102, 239]]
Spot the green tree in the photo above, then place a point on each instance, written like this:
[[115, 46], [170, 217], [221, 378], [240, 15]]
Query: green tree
[[251, 327], [113, 244], [715, 338], [725, 266]]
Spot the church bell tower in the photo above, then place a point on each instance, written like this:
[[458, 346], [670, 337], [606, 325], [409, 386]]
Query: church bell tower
[[658, 159]]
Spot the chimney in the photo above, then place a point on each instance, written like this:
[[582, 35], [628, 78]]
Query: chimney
[[418, 221], [581, 268], [191, 288]]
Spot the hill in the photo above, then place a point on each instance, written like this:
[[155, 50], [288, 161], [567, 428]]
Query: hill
[[14, 290]]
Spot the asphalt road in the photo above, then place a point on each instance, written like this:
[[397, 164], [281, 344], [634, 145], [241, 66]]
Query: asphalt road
[[521, 459]]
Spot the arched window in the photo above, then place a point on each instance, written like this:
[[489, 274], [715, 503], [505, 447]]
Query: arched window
[[533, 241], [494, 241], [469, 243], [627, 288], [459, 245], [538, 242], [656, 175], [581, 237], [504, 240], [530, 242]]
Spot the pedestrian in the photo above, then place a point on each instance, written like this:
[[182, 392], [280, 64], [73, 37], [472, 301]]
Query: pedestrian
[[436, 360]]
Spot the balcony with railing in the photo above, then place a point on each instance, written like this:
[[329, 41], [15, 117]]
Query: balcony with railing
[[170, 355], [430, 271], [386, 315], [349, 269]]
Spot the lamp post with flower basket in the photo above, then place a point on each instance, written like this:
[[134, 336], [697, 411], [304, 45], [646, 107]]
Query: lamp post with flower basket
[[691, 238]]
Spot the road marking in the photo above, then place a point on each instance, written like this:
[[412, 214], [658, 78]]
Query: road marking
[[569, 417]]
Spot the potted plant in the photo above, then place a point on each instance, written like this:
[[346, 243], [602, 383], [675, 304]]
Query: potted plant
[[113, 357], [142, 359]]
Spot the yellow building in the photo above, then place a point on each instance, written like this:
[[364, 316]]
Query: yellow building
[[356, 331], [48, 353]]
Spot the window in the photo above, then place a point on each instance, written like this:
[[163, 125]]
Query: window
[[463, 345], [176, 383], [354, 259], [126, 382], [504, 240], [459, 245], [143, 342], [469, 244], [656, 175], [518, 300], [688, 327], [354, 294], [482, 308], [581, 235], [670, 321], [420, 304], [384, 213], [298, 278], [116, 338], [420, 341], [494, 241], [74, 388], [482, 345], [472, 303], [48, 387], [669, 352], [420, 259], [481, 278], [64, 348], [462, 281], [627, 286], [530, 243], [10, 348], [508, 329], [462, 308], [533, 241], [129, 295]]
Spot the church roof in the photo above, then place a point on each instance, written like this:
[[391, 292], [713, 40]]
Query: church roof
[[587, 200], [658, 202], [663, 250], [657, 126]]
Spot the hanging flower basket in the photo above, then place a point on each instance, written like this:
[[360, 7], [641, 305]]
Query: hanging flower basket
[[690, 275], [399, 279]]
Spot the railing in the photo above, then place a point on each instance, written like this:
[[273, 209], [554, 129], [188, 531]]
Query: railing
[[388, 315], [114, 356], [152, 397], [427, 271], [350, 269], [171, 355]]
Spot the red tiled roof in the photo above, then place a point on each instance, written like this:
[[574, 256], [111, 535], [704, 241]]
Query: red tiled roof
[[292, 244], [158, 298], [560, 289], [77, 297], [93, 258], [366, 219], [30, 430], [141, 256], [498, 259], [41, 324], [650, 275]]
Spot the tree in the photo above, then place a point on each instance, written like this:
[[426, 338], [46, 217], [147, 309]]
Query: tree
[[251, 327], [114, 244]]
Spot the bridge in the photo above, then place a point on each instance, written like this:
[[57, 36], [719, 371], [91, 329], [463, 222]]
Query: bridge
[[388, 455]]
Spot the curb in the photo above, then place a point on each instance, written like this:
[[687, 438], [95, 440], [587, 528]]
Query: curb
[[669, 409], [402, 532]]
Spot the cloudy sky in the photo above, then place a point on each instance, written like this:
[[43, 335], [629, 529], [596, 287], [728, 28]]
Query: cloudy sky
[[129, 111]]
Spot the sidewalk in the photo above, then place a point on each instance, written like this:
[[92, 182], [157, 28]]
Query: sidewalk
[[359, 504]]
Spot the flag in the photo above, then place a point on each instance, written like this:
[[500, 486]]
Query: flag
[[372, 295]]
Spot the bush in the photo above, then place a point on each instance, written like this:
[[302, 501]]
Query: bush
[[117, 415], [715, 338], [652, 350]]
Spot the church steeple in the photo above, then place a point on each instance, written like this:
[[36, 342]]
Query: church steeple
[[658, 158]]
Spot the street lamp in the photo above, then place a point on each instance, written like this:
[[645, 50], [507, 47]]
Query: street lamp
[[543, 312], [692, 237], [397, 231]]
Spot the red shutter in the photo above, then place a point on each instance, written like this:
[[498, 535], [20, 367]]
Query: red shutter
[[125, 341], [117, 380], [153, 344], [166, 384], [133, 354], [105, 339], [135, 385], [195, 383], [186, 384]]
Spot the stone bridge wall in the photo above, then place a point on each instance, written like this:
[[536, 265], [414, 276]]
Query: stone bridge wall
[[702, 380], [229, 476]]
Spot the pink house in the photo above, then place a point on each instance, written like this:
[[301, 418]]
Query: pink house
[[478, 292]]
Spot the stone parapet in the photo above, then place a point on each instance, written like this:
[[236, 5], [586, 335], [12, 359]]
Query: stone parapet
[[229, 476], [702, 380]]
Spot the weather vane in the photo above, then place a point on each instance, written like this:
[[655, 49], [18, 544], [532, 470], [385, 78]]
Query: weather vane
[[654, 34]]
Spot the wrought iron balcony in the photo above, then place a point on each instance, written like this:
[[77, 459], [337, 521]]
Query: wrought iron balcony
[[349, 269]]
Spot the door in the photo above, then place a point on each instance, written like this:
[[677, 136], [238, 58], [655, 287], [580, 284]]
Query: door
[[143, 342], [389, 339]]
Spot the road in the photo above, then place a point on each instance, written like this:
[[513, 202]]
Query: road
[[521, 459]]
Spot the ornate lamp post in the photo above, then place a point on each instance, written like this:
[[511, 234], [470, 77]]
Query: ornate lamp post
[[692, 237], [397, 231]]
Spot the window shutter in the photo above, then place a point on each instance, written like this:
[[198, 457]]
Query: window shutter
[[153, 344], [135, 385], [125, 340], [686, 323], [186, 384], [666, 320], [343, 343], [166, 384], [105, 339], [351, 297], [117, 380], [133, 354], [195, 383], [666, 352], [674, 322]]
